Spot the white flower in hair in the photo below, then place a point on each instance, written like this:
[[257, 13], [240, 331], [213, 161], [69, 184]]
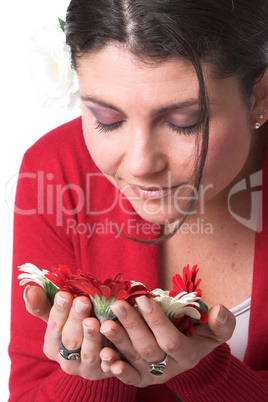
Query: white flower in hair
[[50, 68]]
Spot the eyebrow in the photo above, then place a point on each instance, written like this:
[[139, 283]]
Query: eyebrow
[[180, 105]]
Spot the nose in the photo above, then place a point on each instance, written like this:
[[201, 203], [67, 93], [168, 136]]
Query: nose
[[144, 155]]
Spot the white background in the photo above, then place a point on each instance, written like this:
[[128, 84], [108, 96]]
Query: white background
[[23, 121]]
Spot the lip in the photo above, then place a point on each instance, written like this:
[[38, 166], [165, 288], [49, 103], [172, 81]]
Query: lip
[[152, 193]]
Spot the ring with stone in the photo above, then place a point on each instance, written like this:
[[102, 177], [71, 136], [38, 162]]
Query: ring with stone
[[158, 368], [69, 354]]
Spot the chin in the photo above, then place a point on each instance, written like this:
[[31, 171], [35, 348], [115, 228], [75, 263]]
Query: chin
[[159, 218]]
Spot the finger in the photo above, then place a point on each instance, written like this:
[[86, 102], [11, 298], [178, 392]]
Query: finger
[[92, 342], [108, 357], [131, 376], [187, 351], [136, 370], [72, 333], [91, 349], [169, 338], [57, 319], [117, 335], [126, 373], [222, 323], [142, 339], [37, 302]]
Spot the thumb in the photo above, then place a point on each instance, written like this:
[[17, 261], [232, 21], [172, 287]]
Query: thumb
[[37, 302], [221, 322]]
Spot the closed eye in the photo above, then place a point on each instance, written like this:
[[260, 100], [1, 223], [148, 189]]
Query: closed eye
[[189, 130], [106, 128]]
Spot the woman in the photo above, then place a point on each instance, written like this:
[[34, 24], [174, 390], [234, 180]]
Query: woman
[[173, 132]]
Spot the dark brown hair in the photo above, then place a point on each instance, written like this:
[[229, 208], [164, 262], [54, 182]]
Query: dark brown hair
[[232, 35]]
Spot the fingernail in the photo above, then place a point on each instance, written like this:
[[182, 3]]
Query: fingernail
[[79, 306], [61, 301], [88, 330], [107, 332], [116, 371], [144, 304], [221, 316], [118, 310], [106, 359], [25, 294]]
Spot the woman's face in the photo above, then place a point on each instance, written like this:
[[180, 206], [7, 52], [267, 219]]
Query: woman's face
[[140, 125]]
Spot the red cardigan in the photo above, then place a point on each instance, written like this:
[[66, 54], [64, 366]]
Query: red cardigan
[[66, 212]]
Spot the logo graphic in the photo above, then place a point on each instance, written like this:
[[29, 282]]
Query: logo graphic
[[255, 220]]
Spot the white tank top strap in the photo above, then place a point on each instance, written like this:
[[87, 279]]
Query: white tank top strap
[[241, 308], [238, 342]]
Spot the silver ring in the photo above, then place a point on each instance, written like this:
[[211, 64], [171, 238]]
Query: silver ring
[[158, 368], [69, 354]]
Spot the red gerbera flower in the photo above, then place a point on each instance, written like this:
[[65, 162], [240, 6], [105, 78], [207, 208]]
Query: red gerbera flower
[[187, 283], [102, 293], [117, 287], [60, 277], [185, 323]]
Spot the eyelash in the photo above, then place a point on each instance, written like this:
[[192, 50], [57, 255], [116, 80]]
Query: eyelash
[[190, 130], [106, 128]]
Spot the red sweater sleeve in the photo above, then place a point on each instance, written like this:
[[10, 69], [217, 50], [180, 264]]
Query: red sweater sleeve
[[38, 240], [221, 377]]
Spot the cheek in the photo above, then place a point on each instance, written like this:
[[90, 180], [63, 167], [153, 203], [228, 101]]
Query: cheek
[[227, 152], [102, 150]]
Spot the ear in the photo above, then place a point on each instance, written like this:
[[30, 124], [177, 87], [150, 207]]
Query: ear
[[259, 110]]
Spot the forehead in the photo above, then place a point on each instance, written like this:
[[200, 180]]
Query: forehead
[[115, 72], [118, 55]]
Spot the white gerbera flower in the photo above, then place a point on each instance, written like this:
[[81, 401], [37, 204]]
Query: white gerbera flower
[[33, 274], [179, 305], [134, 283]]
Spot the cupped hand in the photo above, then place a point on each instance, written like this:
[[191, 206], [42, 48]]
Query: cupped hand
[[69, 320], [151, 338]]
